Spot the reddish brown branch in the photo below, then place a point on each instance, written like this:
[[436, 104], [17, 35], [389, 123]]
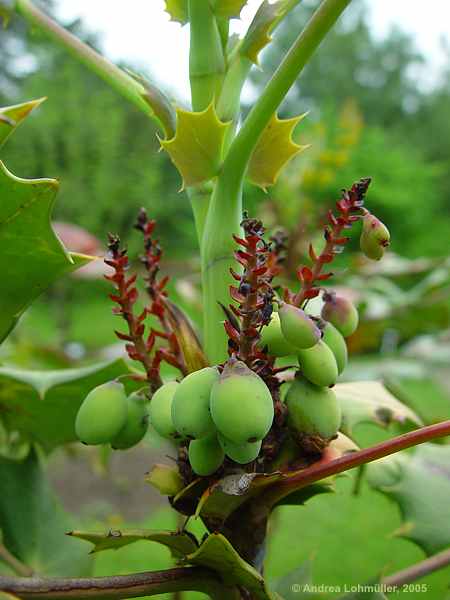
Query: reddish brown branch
[[118, 587], [417, 571], [317, 472]]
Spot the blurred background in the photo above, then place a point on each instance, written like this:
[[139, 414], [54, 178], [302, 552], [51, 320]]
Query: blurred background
[[378, 96]]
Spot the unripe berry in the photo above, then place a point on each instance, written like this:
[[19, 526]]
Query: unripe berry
[[272, 337], [136, 423], [206, 455], [297, 327], [102, 414], [190, 406], [160, 411], [318, 364], [341, 312], [314, 415], [375, 237], [240, 453], [336, 342], [241, 404]]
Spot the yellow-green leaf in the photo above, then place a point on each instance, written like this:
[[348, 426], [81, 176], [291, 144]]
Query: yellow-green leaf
[[180, 544], [196, 147], [178, 10], [258, 33], [12, 116], [228, 9], [274, 150]]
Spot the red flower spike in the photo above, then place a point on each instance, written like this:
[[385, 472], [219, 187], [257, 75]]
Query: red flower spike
[[349, 211]]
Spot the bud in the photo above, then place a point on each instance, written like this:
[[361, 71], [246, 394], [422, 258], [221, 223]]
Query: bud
[[341, 312], [335, 341], [318, 364], [272, 337], [297, 327], [160, 411], [375, 237]]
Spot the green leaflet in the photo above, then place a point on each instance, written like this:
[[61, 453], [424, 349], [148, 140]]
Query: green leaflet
[[218, 554], [33, 522], [196, 148], [42, 405], [274, 150], [419, 482], [32, 257], [179, 543], [228, 9], [12, 116], [370, 402]]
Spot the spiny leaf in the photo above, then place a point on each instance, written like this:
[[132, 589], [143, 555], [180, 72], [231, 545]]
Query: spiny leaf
[[197, 145], [258, 33], [33, 521], [225, 496], [42, 405], [228, 9], [370, 402], [274, 149], [419, 481], [180, 543], [12, 116], [32, 256], [218, 554], [178, 10], [166, 479]]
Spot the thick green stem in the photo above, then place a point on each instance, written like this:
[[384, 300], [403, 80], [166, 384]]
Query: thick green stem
[[123, 83], [225, 212], [206, 59], [119, 587], [200, 197]]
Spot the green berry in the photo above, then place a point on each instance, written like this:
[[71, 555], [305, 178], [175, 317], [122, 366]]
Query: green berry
[[190, 406], [206, 455], [318, 364], [314, 415], [240, 453], [135, 425], [241, 404], [102, 414], [297, 327], [341, 312], [336, 342], [272, 337], [160, 411], [375, 237]]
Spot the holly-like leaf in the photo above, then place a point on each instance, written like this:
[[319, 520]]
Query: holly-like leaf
[[197, 145], [218, 554], [179, 543], [274, 150], [228, 9], [33, 522], [42, 405], [225, 496], [259, 32], [32, 257], [370, 402], [12, 116], [166, 479], [419, 481], [178, 10]]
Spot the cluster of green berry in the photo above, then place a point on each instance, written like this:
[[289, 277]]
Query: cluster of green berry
[[219, 413], [108, 416]]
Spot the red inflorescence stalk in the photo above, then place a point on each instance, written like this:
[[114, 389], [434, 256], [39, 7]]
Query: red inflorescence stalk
[[156, 289], [126, 297], [349, 211]]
